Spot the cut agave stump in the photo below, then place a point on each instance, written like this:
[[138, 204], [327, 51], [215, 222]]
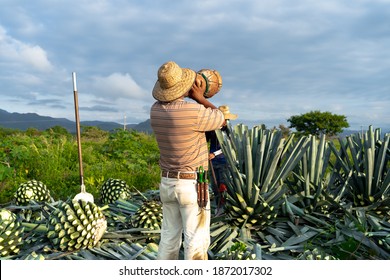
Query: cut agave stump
[[76, 225], [114, 189], [32, 190], [149, 215], [10, 233]]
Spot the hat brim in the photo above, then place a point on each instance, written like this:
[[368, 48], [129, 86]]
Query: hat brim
[[230, 116], [176, 91]]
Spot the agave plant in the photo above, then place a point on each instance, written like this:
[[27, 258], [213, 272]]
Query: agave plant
[[362, 169], [309, 183], [259, 162]]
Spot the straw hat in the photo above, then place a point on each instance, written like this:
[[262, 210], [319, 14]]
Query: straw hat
[[226, 112], [172, 82], [213, 81]]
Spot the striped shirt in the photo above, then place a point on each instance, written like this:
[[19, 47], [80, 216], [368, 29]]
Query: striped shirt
[[180, 127]]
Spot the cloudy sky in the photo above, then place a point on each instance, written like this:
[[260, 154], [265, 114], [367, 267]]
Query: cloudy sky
[[277, 58]]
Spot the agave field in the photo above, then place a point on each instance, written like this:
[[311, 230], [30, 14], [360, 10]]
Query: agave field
[[287, 198]]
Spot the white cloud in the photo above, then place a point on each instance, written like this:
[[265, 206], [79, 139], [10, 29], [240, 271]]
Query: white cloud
[[117, 85], [34, 56], [22, 54]]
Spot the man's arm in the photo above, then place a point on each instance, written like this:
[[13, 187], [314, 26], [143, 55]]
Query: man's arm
[[196, 93]]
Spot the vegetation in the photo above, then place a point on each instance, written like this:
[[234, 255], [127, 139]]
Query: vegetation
[[288, 196], [305, 198], [51, 157], [318, 123]]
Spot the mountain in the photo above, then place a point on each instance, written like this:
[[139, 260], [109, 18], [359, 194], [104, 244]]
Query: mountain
[[32, 120]]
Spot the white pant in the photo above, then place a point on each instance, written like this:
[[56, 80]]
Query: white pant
[[181, 214]]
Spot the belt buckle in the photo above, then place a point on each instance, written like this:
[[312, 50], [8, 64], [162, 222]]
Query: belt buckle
[[184, 175], [178, 175], [181, 175]]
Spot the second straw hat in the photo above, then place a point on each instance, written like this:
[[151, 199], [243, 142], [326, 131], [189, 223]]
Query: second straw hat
[[226, 112]]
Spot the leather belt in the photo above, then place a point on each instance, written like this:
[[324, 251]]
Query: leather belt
[[179, 175]]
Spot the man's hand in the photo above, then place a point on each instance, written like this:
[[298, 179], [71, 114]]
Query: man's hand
[[197, 90]]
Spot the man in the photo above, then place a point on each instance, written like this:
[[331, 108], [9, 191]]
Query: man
[[217, 160], [179, 127]]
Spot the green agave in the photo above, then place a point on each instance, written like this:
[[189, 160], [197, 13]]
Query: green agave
[[149, 215], [114, 189], [32, 190], [259, 162], [76, 225], [10, 233]]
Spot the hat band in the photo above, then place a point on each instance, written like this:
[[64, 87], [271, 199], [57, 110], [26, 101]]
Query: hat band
[[207, 84]]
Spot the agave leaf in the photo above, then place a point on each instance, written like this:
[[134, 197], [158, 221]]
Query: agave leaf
[[215, 242], [271, 170], [101, 252], [278, 232], [242, 201], [296, 229], [113, 248], [219, 230], [258, 252], [293, 158], [380, 164], [228, 241], [248, 169], [375, 223], [286, 248], [298, 239], [138, 253], [87, 254]]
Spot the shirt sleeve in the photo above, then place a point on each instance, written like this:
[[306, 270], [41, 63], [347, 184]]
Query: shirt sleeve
[[209, 119]]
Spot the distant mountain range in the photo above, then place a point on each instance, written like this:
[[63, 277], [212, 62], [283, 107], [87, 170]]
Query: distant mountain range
[[32, 120]]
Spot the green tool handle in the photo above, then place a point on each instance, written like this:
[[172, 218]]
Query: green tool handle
[[201, 174]]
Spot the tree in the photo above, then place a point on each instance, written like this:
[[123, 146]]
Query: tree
[[58, 130], [318, 123]]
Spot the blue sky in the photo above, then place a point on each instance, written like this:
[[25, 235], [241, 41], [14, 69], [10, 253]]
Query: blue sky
[[277, 58]]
